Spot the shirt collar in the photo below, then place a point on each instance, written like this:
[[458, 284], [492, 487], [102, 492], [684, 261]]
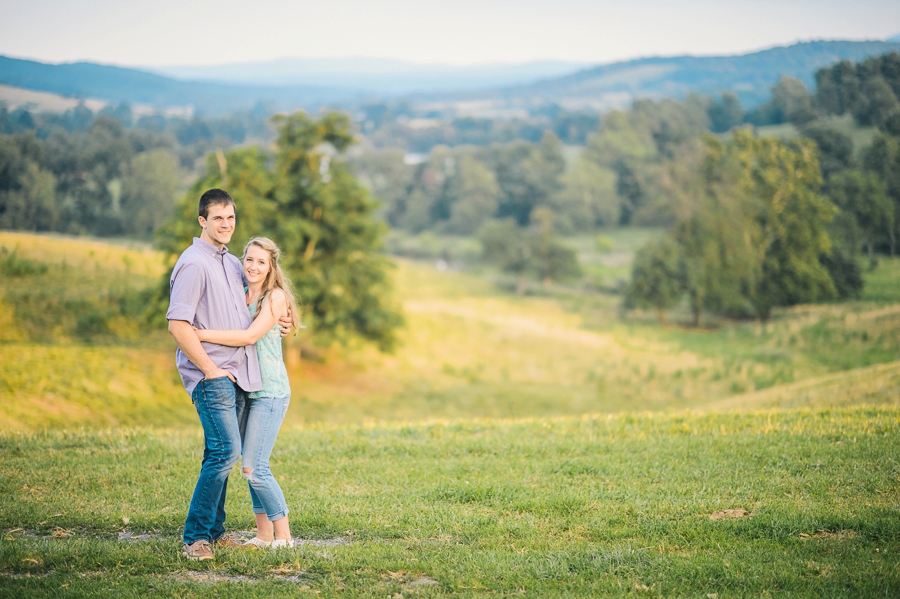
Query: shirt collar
[[210, 248]]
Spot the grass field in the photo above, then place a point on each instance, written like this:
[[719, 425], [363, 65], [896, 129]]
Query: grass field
[[538, 445], [572, 507]]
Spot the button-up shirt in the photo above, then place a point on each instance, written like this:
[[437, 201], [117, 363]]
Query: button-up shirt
[[207, 290]]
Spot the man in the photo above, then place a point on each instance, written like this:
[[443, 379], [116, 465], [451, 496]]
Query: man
[[207, 292]]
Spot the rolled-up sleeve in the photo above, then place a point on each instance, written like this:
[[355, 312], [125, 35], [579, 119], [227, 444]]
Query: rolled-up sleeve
[[186, 289]]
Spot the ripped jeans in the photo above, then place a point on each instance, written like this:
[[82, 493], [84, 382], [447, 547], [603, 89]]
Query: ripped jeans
[[264, 418]]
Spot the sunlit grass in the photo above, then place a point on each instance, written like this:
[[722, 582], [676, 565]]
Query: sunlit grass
[[468, 349], [566, 507]]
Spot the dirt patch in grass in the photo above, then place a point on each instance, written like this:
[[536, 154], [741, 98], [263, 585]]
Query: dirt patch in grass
[[194, 576], [242, 535], [729, 514], [422, 581], [128, 536], [212, 577], [830, 535]]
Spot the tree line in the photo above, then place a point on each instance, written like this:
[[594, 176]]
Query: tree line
[[103, 174], [751, 232], [760, 223]]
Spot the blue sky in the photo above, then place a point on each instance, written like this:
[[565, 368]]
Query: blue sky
[[202, 32]]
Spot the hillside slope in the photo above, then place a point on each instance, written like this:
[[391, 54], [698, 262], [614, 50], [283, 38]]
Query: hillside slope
[[117, 84], [750, 76], [76, 351]]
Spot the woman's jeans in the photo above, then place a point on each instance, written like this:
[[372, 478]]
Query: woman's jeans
[[264, 418], [221, 407]]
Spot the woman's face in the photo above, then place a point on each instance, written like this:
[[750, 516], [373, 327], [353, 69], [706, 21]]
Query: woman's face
[[256, 264]]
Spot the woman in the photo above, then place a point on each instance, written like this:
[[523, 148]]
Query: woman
[[268, 298]]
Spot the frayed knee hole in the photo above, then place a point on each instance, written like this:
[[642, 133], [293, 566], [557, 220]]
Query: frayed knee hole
[[247, 472]]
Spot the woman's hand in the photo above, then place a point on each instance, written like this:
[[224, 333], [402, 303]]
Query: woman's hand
[[201, 334]]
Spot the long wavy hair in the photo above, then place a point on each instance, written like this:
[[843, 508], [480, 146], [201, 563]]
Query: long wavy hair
[[275, 279]]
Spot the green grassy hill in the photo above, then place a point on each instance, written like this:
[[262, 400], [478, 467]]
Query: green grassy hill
[[77, 350]]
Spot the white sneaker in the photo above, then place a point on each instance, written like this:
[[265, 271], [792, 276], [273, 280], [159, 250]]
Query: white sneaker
[[282, 543], [258, 543]]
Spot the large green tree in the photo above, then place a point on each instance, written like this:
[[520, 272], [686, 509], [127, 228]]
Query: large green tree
[[751, 228], [322, 218], [793, 219]]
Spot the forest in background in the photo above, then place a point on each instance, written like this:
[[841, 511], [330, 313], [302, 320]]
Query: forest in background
[[520, 190]]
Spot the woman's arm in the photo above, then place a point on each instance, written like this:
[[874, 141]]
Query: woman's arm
[[271, 309]]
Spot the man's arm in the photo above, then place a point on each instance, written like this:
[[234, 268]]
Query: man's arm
[[286, 323], [187, 340]]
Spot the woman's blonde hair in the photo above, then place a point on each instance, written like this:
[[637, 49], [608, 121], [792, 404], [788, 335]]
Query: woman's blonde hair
[[275, 279]]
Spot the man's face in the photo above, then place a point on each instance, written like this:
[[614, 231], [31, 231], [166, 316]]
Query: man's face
[[218, 226]]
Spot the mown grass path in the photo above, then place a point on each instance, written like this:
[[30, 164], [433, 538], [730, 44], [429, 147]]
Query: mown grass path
[[570, 507]]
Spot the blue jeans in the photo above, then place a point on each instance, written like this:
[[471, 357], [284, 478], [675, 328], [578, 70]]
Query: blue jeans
[[221, 407], [264, 418]]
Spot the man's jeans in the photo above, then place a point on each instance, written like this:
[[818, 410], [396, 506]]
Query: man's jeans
[[264, 418], [221, 407]]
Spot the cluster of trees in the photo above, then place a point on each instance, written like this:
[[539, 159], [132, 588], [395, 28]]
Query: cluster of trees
[[614, 181], [105, 174], [235, 128], [865, 185], [869, 90], [533, 252], [103, 181], [303, 197], [751, 233], [759, 223], [457, 190], [400, 125]]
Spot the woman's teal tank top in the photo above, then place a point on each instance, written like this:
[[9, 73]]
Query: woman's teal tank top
[[271, 364]]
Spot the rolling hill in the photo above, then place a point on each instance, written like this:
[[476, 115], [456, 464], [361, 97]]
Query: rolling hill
[[296, 83], [116, 84], [750, 76]]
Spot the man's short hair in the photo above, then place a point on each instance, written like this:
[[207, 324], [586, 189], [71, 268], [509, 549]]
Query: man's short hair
[[213, 197]]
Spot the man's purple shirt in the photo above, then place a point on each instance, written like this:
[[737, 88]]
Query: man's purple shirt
[[207, 290]]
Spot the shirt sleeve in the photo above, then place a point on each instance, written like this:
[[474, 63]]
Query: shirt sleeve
[[186, 286]]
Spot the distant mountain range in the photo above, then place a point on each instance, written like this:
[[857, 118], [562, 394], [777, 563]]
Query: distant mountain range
[[117, 84], [373, 75], [308, 83], [750, 76]]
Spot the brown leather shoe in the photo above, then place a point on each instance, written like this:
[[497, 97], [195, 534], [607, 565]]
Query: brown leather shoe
[[228, 541], [199, 550]]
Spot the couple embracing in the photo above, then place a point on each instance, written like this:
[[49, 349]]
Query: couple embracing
[[227, 317]]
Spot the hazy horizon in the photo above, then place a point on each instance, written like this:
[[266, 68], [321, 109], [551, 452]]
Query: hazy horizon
[[468, 33]]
